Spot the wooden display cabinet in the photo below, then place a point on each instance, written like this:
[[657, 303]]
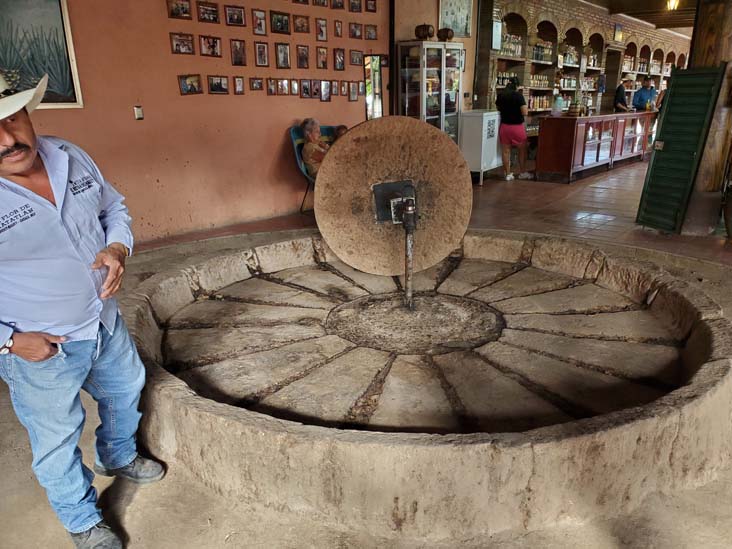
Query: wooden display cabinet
[[570, 145]]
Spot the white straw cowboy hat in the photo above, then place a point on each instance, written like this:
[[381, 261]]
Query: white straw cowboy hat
[[12, 101]]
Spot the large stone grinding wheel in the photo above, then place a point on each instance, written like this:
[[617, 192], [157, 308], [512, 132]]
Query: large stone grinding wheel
[[394, 148]]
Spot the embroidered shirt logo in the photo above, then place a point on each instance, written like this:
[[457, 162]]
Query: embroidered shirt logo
[[81, 185], [18, 215]]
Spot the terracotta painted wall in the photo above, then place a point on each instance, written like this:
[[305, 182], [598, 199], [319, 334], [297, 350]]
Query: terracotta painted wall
[[410, 13], [201, 161]]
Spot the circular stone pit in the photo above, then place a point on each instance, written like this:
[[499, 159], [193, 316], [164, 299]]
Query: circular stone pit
[[608, 381]]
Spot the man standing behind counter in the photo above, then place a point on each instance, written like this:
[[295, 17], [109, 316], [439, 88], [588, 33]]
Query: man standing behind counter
[[64, 237], [646, 96], [621, 103]]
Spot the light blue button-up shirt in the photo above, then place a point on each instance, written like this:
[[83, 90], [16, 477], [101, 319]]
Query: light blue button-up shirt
[[643, 96], [46, 251]]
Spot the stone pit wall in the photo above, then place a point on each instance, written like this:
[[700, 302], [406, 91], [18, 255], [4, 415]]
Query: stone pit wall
[[446, 487]]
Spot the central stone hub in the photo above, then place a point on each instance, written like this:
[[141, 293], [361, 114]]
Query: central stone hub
[[438, 324]]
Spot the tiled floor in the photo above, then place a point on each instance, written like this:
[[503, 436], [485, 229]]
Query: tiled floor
[[600, 207]]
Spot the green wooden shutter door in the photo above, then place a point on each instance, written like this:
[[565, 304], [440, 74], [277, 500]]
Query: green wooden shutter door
[[680, 138]]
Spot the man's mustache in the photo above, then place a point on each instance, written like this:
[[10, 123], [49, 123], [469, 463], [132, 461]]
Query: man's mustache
[[14, 148]]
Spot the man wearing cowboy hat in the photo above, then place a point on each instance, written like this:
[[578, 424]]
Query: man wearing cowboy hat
[[64, 237]]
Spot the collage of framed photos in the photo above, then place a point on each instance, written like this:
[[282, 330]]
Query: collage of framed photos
[[278, 54]]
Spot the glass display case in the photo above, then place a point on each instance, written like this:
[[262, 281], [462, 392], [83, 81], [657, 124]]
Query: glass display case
[[430, 86]]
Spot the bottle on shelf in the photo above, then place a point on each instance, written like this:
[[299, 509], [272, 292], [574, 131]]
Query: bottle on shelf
[[539, 81], [628, 63], [543, 51]]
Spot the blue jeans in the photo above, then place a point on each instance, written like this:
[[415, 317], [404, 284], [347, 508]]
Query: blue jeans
[[46, 399]]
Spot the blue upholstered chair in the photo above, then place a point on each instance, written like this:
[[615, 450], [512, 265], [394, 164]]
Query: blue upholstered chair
[[298, 141]]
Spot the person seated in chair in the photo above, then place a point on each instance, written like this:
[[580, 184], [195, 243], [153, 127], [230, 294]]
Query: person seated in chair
[[313, 152], [340, 131]]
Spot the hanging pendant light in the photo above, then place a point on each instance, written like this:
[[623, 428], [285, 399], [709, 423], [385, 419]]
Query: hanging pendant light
[[671, 5]]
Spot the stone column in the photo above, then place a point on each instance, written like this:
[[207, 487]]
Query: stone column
[[711, 45], [485, 61]]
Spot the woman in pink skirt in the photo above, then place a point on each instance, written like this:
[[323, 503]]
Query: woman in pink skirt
[[512, 133]]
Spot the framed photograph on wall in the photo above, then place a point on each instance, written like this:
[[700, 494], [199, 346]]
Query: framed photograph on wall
[[361, 87], [294, 87], [238, 85], [321, 58], [333, 87], [344, 88], [304, 2], [315, 89], [261, 54], [279, 22], [339, 59], [235, 16], [182, 43], [356, 57], [210, 46], [238, 53], [457, 15], [301, 23], [371, 6], [271, 86], [618, 32], [39, 38], [190, 84], [325, 90], [218, 84], [179, 9], [259, 22], [369, 32], [283, 86], [337, 28], [337, 4], [256, 84], [303, 56], [208, 12], [355, 30], [353, 91], [321, 30], [321, 3], [305, 89], [282, 55], [354, 5]]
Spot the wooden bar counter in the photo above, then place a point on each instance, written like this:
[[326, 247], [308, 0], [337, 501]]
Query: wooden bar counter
[[569, 144]]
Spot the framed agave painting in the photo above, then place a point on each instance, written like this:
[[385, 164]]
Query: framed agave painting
[[35, 39]]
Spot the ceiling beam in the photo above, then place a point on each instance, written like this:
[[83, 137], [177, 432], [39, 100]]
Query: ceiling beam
[[633, 7]]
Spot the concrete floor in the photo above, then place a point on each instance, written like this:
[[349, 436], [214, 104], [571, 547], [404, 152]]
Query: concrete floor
[[179, 513]]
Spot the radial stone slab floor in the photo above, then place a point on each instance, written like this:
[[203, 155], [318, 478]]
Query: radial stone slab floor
[[490, 347]]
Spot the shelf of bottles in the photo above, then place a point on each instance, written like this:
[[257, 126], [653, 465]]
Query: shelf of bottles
[[540, 102], [628, 63], [429, 87], [593, 61], [541, 82], [568, 82], [643, 66], [504, 77], [588, 83], [571, 57], [542, 52], [667, 69], [655, 67], [512, 46]]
